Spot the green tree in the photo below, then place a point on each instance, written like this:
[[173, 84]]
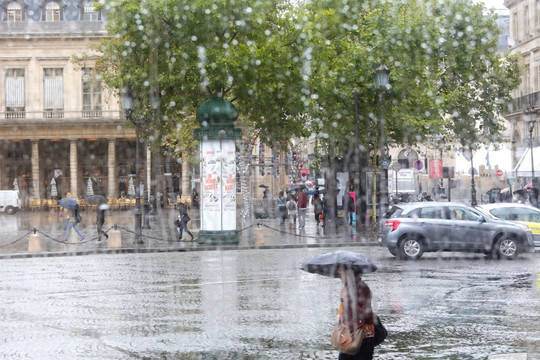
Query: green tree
[[192, 50]]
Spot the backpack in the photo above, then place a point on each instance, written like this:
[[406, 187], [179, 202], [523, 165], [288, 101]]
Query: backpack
[[292, 205]]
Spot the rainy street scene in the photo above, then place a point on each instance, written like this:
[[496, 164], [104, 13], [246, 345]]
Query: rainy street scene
[[250, 179]]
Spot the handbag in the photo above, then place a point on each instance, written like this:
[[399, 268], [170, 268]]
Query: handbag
[[380, 332], [345, 341]]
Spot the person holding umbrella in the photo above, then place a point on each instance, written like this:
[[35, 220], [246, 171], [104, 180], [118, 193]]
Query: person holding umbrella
[[355, 312], [73, 217]]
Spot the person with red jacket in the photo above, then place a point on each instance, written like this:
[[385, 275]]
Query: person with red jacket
[[302, 209]]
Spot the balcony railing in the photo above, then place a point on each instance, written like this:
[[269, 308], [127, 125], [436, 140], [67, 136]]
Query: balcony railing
[[523, 102], [48, 28], [83, 116]]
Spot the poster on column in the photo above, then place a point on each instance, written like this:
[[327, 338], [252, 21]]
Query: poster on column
[[228, 185], [210, 185]]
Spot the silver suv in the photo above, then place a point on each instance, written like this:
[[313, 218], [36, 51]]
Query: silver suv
[[411, 229]]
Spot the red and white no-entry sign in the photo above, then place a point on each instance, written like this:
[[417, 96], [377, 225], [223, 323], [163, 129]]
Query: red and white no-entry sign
[[500, 173]]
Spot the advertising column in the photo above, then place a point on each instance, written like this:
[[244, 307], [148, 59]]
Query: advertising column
[[218, 135]]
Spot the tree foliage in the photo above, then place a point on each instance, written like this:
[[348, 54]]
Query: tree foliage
[[282, 63]]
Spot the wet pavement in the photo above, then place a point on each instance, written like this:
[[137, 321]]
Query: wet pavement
[[257, 304], [250, 301], [161, 236]]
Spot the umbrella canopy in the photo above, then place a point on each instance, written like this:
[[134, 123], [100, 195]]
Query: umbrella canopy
[[68, 203], [327, 264], [54, 190], [264, 186], [89, 188], [296, 187], [96, 199], [131, 187]]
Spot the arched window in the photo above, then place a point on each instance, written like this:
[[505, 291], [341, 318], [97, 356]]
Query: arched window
[[52, 11], [14, 12]]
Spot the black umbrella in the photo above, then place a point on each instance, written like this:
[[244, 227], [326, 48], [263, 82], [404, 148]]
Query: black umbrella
[[264, 186], [96, 199], [68, 203], [296, 187], [327, 264]]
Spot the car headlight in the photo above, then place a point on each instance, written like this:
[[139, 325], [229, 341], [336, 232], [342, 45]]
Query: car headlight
[[524, 227]]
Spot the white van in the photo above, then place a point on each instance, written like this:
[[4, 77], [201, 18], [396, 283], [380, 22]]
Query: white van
[[9, 201]]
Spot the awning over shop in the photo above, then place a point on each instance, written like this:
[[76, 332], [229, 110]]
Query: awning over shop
[[523, 167]]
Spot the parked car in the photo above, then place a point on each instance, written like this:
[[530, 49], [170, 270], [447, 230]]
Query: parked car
[[411, 229], [521, 213]]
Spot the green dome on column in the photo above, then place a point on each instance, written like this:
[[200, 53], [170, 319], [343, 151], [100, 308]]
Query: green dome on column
[[217, 110]]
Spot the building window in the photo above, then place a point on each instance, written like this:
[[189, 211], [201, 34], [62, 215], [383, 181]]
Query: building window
[[52, 11], [89, 12], [14, 12], [15, 99], [53, 93], [91, 92]]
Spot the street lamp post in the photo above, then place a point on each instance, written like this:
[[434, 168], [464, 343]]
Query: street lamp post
[[531, 122], [467, 153], [382, 84], [128, 105]]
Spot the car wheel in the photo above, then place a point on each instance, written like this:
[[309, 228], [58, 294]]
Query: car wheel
[[10, 210], [411, 248], [506, 248]]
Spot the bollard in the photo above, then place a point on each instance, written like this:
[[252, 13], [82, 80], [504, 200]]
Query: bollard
[[115, 239], [34, 243], [258, 235]]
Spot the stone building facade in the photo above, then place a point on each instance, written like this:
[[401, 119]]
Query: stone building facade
[[57, 121], [525, 40]]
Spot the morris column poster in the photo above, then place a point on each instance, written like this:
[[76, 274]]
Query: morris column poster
[[218, 178]]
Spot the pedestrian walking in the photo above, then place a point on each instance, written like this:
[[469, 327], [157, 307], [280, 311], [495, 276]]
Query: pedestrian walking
[[73, 218], [182, 223], [355, 312], [348, 203], [302, 209], [282, 207], [195, 200], [291, 211], [317, 208], [100, 220]]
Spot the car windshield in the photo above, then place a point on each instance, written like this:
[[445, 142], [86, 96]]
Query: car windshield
[[517, 214], [394, 212]]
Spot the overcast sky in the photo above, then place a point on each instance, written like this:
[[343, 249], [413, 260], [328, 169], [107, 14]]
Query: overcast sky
[[497, 4]]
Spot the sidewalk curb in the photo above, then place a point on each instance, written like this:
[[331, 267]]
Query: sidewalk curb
[[134, 250]]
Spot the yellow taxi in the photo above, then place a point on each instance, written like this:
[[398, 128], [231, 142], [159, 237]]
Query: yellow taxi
[[524, 214]]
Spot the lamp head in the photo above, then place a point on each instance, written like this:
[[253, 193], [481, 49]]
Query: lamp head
[[380, 78], [126, 96]]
